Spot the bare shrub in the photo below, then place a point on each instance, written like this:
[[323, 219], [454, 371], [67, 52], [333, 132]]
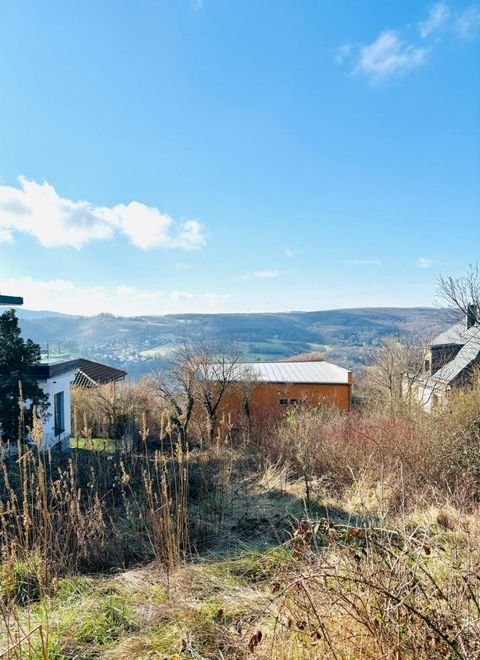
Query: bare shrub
[[114, 413], [369, 454], [363, 592]]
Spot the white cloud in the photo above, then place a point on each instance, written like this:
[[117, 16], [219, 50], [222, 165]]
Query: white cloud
[[363, 262], [437, 17], [70, 298], [424, 262], [288, 252], [6, 236], [388, 56], [197, 5], [392, 56], [467, 24], [259, 275], [266, 274], [37, 209], [343, 53]]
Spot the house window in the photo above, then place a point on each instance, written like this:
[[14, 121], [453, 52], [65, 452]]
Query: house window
[[59, 412], [291, 402], [427, 365]]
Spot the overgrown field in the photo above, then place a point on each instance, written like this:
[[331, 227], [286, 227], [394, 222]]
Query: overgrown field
[[317, 535]]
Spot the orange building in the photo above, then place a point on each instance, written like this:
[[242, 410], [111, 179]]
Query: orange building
[[271, 387]]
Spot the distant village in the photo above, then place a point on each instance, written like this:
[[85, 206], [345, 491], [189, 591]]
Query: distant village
[[309, 380]]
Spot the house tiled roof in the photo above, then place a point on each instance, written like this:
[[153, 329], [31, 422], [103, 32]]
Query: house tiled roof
[[91, 373], [466, 355]]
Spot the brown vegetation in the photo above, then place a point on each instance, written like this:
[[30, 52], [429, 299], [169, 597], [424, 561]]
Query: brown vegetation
[[320, 534]]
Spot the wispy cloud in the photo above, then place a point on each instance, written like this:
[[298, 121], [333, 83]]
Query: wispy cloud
[[388, 56], [6, 236], [343, 53], [37, 209], [266, 274], [391, 55], [196, 5], [424, 262], [71, 298], [363, 262], [467, 23], [259, 275], [288, 252], [437, 17]]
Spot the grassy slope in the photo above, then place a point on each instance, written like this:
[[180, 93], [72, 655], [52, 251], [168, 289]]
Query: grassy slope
[[212, 606]]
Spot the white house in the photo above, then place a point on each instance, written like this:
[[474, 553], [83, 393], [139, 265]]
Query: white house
[[56, 381], [57, 371], [56, 375]]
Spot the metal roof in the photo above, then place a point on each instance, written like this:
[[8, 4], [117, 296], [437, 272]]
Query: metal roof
[[466, 355], [453, 335], [284, 372], [457, 334]]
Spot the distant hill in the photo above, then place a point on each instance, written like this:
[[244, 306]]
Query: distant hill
[[142, 343], [39, 314]]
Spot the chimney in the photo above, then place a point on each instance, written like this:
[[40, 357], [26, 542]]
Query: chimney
[[472, 316]]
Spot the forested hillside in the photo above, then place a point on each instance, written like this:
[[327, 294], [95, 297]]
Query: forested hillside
[[143, 343]]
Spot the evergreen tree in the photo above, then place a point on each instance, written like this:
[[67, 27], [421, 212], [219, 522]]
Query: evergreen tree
[[17, 357]]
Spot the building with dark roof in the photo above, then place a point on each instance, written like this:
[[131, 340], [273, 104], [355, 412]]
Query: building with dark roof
[[57, 373], [59, 369], [10, 301], [450, 360], [93, 374]]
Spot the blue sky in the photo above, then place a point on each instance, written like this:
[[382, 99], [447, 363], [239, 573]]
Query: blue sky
[[186, 156]]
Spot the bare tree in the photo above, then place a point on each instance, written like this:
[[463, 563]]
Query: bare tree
[[248, 380], [177, 389], [462, 294], [200, 375], [393, 368], [217, 369]]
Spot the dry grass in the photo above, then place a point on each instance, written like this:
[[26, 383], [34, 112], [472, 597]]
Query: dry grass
[[332, 590], [88, 511], [369, 593], [326, 536]]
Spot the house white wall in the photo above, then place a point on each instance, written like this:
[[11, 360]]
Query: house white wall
[[428, 393], [52, 386], [425, 396]]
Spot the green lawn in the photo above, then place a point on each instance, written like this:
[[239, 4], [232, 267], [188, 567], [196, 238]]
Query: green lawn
[[97, 444]]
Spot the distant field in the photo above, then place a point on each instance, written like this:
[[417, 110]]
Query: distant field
[[274, 349], [270, 349], [158, 351]]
